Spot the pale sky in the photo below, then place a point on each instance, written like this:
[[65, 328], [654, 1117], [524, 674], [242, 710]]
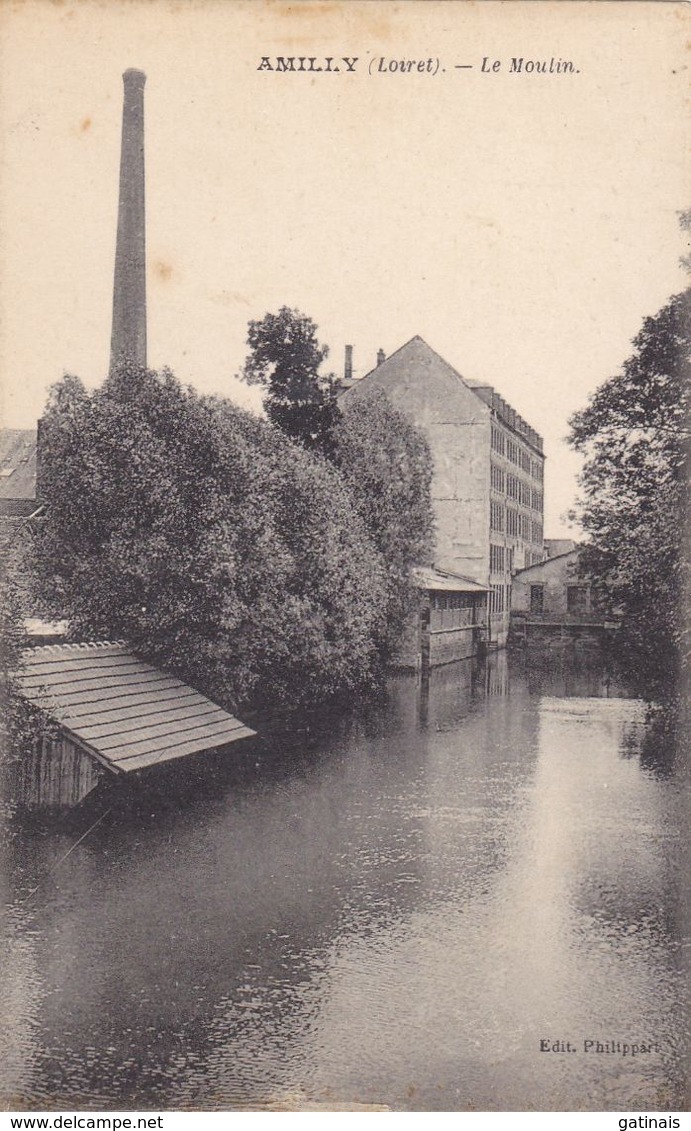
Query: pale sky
[[523, 224]]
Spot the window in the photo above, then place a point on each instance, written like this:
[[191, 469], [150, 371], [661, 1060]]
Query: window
[[496, 599], [512, 452], [496, 559], [576, 599], [497, 439], [537, 599], [496, 517], [497, 478]]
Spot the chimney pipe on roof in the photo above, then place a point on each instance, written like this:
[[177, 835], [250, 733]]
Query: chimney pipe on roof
[[348, 371], [381, 356]]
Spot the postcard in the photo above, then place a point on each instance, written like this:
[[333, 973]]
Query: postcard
[[453, 880]]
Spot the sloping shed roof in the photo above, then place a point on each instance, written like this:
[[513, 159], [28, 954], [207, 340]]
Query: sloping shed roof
[[426, 577], [17, 463], [125, 712], [548, 563]]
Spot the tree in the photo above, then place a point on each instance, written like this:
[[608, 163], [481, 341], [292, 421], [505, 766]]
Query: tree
[[23, 725], [386, 464], [202, 536], [634, 434], [286, 357]]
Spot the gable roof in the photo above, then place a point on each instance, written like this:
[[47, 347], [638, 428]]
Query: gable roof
[[549, 561], [123, 711], [414, 351], [17, 463], [416, 359]]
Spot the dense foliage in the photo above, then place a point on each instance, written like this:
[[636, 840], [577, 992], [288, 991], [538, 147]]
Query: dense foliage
[[207, 540], [635, 434], [387, 465], [285, 357], [22, 723]]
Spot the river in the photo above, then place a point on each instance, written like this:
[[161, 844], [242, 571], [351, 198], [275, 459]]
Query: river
[[409, 908]]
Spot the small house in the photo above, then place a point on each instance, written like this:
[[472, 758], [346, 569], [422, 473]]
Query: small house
[[115, 715], [557, 596]]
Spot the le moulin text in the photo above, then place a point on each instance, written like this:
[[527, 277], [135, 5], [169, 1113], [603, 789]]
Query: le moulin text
[[430, 65]]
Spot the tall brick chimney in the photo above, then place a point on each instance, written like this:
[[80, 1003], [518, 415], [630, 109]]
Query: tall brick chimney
[[381, 357], [128, 337], [348, 371]]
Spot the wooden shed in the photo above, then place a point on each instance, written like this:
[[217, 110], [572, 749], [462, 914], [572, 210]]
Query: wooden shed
[[116, 715], [449, 622]]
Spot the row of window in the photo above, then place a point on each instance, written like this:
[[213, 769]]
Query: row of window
[[517, 454], [500, 559], [518, 525], [499, 598], [515, 488], [523, 493], [515, 523], [452, 601], [576, 599]]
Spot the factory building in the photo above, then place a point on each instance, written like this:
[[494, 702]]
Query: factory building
[[488, 479]]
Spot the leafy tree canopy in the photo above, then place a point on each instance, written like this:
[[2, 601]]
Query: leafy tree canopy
[[207, 540], [634, 434], [386, 464], [22, 723], [286, 356]]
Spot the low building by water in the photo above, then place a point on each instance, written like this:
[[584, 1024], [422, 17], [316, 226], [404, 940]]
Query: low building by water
[[449, 622], [114, 715], [557, 597]]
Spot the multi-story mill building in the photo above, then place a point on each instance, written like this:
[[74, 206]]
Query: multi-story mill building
[[488, 478]]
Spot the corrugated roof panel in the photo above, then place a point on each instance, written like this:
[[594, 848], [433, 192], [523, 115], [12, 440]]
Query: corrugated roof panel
[[128, 713]]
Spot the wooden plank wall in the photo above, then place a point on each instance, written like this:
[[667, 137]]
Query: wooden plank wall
[[58, 775]]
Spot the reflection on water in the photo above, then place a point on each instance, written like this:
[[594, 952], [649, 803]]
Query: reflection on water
[[399, 915]]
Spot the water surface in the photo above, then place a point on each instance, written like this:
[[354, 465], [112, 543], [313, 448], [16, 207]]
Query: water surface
[[398, 911]]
